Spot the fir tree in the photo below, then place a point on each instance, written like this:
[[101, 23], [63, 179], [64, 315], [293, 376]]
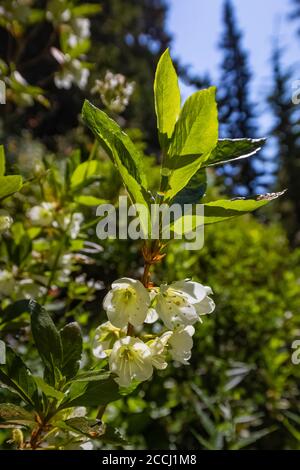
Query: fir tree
[[237, 119], [295, 14], [287, 135]]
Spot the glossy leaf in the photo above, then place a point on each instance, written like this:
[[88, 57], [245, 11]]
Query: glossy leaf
[[14, 414], [48, 390], [16, 375], [46, 337], [194, 190], [196, 130], [195, 136], [71, 339], [121, 150], [94, 393], [217, 211], [166, 95], [91, 428], [228, 150]]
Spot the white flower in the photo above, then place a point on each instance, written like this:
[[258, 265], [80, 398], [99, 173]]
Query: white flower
[[115, 91], [72, 71], [182, 303], [41, 215], [77, 219], [82, 27], [130, 359], [127, 302], [152, 316], [5, 221], [157, 348], [105, 337], [70, 223], [181, 343]]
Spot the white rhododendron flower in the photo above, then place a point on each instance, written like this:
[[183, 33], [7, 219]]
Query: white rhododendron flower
[[130, 359], [179, 305], [207, 305], [181, 342], [152, 316], [127, 302], [157, 348], [182, 303], [41, 215], [105, 337]]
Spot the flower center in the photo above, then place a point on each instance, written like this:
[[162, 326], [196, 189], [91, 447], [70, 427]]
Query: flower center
[[128, 294]]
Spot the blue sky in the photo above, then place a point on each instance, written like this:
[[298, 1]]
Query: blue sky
[[196, 26]]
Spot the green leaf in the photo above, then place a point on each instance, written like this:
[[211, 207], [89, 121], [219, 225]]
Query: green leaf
[[2, 161], [14, 311], [92, 375], [9, 185], [194, 190], [229, 150], [92, 428], [217, 211], [194, 138], [16, 375], [196, 131], [121, 150], [13, 414], [46, 337], [166, 95], [87, 9], [71, 339], [85, 173], [94, 393], [48, 390], [90, 200]]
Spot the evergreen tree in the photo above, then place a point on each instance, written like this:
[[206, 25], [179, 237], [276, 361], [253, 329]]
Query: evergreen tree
[[287, 135], [237, 119], [295, 15]]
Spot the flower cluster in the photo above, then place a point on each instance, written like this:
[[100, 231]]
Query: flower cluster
[[115, 91], [129, 305], [72, 70]]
